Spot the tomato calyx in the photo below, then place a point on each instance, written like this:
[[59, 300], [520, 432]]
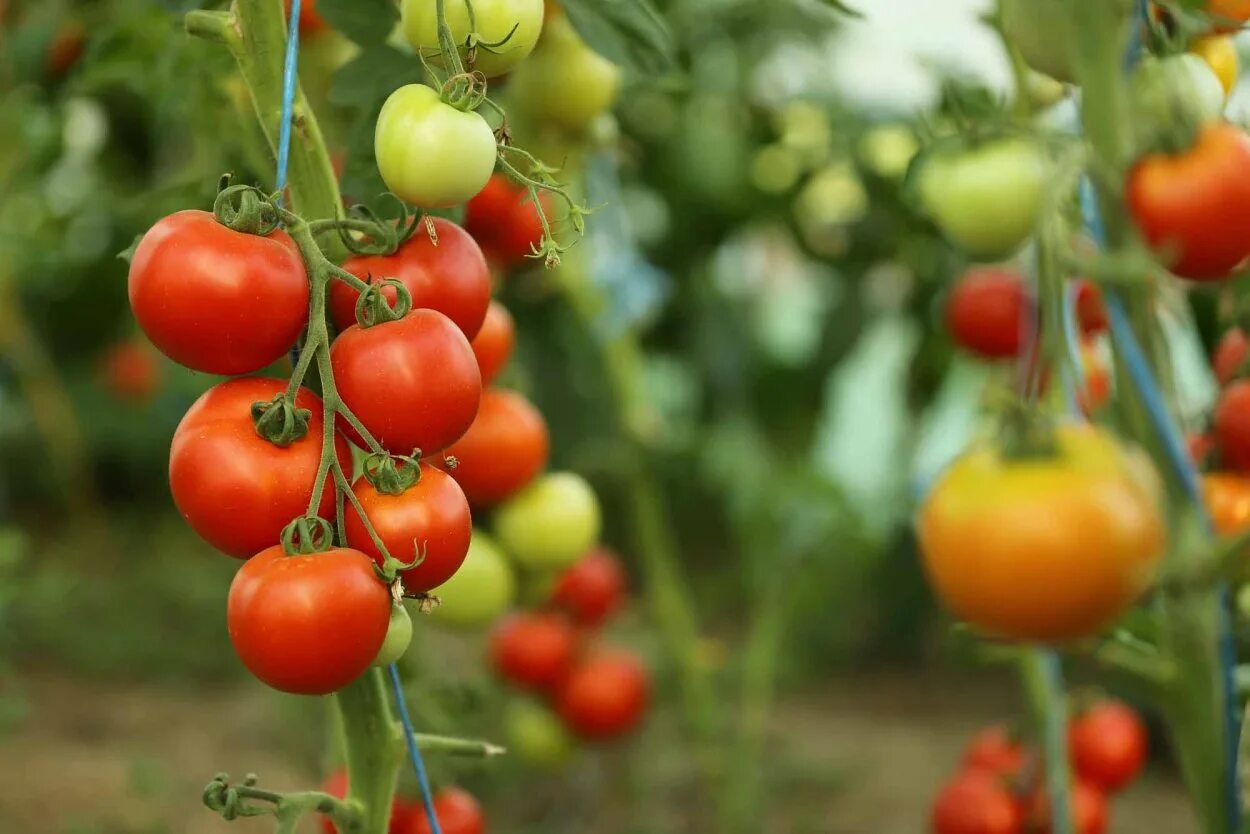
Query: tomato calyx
[[1026, 433], [279, 421], [364, 232], [465, 91], [391, 478], [243, 208], [372, 308], [307, 535]]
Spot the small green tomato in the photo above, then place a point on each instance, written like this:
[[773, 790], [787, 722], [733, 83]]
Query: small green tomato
[[511, 24], [549, 523], [536, 735], [480, 591], [398, 636]]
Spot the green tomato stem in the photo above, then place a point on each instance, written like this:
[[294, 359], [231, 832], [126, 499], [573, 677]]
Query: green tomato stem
[[373, 743]]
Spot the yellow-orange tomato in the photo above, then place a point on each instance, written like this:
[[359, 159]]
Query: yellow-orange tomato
[[1221, 56], [1228, 501], [1044, 548]]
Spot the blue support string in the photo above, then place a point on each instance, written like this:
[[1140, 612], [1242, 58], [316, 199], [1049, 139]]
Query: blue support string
[[414, 752]]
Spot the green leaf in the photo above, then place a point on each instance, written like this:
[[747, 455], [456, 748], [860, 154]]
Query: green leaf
[[372, 75], [630, 33], [364, 21]]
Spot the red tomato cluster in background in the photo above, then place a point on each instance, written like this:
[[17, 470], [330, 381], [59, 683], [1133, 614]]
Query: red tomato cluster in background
[[458, 812], [999, 788], [1225, 448]]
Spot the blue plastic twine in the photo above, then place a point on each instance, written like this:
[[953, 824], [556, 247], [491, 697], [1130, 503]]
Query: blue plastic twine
[[414, 752]]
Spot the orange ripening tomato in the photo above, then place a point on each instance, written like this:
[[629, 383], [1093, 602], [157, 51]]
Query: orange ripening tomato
[[1007, 542], [995, 750], [504, 449], [130, 370], [1228, 501], [310, 20], [1226, 14], [1108, 745], [976, 802]]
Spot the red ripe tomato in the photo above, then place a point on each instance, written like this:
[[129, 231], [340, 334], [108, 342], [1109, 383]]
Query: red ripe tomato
[[457, 811], [1089, 811], [413, 383], [984, 312], [430, 519], [235, 488], [308, 624], [1108, 745], [310, 20], [504, 449], [1200, 447], [533, 650], [592, 589], [976, 802], [217, 300], [1197, 203], [494, 342], [403, 812], [504, 220], [995, 751], [605, 695], [451, 277], [1231, 426], [1091, 312], [1227, 498], [1230, 354], [130, 371]]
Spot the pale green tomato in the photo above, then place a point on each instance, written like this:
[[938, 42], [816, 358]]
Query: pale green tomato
[[1173, 94], [429, 153], [398, 636], [1044, 34], [564, 82], [519, 21], [549, 523], [536, 735], [480, 591], [986, 199]]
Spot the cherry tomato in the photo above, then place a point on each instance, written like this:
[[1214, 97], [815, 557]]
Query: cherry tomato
[[1195, 205], [512, 24], [549, 523], [605, 695], [1108, 745], [457, 811], [1230, 355], [994, 530], [413, 383], [130, 370], [505, 221], [592, 589], [429, 520], [235, 488], [494, 343], [450, 277], [975, 802], [1227, 497], [504, 449], [1231, 425], [398, 637], [985, 312], [480, 591], [985, 199], [533, 650], [995, 751], [429, 153], [1089, 811], [1091, 312], [308, 624], [310, 20], [1220, 55], [403, 812], [536, 735], [217, 300], [564, 82]]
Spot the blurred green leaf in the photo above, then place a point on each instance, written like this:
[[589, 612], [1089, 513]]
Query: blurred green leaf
[[627, 32], [364, 21]]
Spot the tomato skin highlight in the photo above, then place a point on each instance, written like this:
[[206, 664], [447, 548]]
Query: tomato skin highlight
[[1197, 203], [481, 590], [592, 589], [452, 277], [504, 449], [994, 751], [504, 221], [429, 153], [308, 624], [605, 695], [413, 383], [236, 489], [1231, 425], [533, 650], [431, 517], [216, 300], [993, 530], [494, 343], [1227, 498], [975, 802], [1230, 354], [457, 811], [985, 312], [1108, 745]]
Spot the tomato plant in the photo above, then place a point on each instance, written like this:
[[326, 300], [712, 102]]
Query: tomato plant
[[605, 695], [234, 487], [217, 300], [308, 623], [493, 344], [550, 522], [413, 382], [507, 30], [480, 590], [504, 449], [976, 802], [592, 589], [505, 221], [1108, 745]]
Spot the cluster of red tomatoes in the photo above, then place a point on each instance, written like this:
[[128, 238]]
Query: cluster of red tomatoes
[[997, 790], [1224, 449], [457, 810]]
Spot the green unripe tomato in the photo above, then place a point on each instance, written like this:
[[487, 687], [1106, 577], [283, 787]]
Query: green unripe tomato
[[519, 21], [985, 199], [398, 636], [1044, 34], [480, 591], [549, 523], [536, 735], [564, 82], [1171, 97], [429, 153]]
